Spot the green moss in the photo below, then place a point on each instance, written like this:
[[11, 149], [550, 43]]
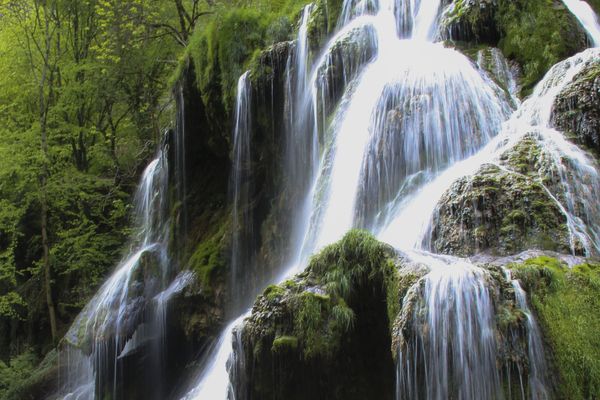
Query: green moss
[[316, 303], [337, 268], [508, 316], [323, 21], [320, 323], [524, 157], [567, 302], [208, 257], [227, 42], [274, 292], [538, 34], [284, 343]]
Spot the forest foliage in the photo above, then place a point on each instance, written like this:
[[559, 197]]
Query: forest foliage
[[84, 95]]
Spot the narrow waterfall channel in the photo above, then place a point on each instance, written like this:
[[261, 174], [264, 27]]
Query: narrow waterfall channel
[[241, 257]]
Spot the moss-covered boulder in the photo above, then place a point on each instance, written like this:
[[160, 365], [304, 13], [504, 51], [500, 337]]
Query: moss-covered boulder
[[534, 33], [499, 211], [326, 333], [567, 304], [576, 110]]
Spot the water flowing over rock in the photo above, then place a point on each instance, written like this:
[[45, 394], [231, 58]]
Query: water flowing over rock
[[499, 211], [585, 14], [388, 129], [576, 110], [119, 319], [393, 135], [243, 229]]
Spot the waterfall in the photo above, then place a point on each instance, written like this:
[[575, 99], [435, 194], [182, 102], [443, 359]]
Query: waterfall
[[537, 380], [108, 328], [240, 187], [493, 60], [425, 357], [367, 163], [301, 153], [403, 120], [586, 16], [214, 381], [452, 350]]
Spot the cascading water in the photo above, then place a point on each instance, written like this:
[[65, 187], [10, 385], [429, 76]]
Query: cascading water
[[299, 167], [586, 16], [409, 118], [537, 380], [109, 328], [493, 60], [420, 363], [452, 350], [241, 251], [391, 95]]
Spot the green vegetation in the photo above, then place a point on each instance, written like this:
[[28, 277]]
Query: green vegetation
[[81, 94], [230, 40], [335, 313], [226, 44], [209, 256], [340, 272], [567, 303], [319, 303], [284, 343], [17, 370], [537, 34]]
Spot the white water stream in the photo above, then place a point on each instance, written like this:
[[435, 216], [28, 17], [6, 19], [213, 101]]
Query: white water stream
[[452, 121], [412, 117], [588, 19]]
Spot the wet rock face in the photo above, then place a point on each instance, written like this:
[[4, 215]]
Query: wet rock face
[[499, 211], [577, 109], [472, 21]]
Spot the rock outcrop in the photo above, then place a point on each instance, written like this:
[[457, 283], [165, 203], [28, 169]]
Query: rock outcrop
[[329, 326], [576, 110], [499, 211]]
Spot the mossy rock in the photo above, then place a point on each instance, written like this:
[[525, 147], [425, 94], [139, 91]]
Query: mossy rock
[[225, 45], [471, 21], [538, 34], [567, 304], [334, 313], [498, 211], [323, 22], [576, 110], [535, 33]]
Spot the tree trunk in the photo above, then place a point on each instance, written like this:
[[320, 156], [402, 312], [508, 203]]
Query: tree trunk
[[44, 80]]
